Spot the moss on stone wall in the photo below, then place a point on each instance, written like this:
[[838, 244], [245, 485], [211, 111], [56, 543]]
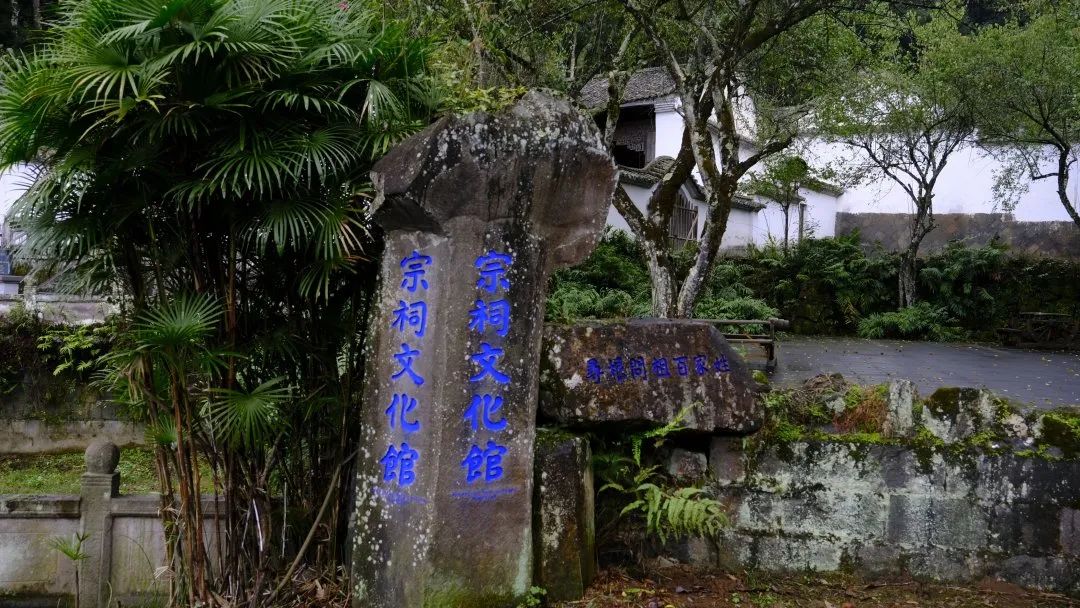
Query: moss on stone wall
[[828, 409], [1061, 431]]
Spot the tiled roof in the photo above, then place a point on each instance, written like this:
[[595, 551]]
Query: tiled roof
[[649, 175], [649, 83]]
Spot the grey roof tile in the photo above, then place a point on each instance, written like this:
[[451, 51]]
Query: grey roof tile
[[649, 83]]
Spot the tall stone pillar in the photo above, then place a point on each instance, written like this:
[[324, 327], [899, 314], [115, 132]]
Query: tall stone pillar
[[100, 484], [477, 211]]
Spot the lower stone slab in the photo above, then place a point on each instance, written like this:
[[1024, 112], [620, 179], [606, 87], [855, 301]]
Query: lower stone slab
[[882, 510], [563, 514]]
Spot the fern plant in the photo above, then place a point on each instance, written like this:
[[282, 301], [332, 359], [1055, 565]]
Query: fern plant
[[72, 549], [922, 321], [667, 512]]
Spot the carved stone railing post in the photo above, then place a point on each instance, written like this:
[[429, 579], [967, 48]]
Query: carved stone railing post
[[100, 485], [477, 211]]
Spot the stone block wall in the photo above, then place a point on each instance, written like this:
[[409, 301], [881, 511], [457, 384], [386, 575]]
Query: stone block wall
[[49, 413], [39, 436], [827, 506], [956, 487], [890, 230]]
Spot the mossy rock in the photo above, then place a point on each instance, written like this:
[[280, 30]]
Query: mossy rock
[[1060, 429]]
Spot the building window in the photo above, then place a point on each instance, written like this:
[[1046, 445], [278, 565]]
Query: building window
[[683, 228], [628, 157], [634, 140]]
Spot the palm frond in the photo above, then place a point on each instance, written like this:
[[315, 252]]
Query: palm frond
[[185, 322], [248, 418]]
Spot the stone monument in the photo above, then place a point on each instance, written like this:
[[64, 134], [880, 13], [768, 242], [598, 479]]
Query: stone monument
[[477, 211], [647, 373]]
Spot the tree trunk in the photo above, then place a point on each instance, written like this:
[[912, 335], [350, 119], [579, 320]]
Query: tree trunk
[[921, 225], [908, 294], [787, 221], [662, 281], [1063, 186]]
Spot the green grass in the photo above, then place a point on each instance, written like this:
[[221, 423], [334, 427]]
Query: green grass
[[60, 473]]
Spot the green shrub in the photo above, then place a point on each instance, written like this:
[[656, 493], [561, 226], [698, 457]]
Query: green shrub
[[572, 301], [49, 364], [823, 286], [734, 308], [833, 286], [923, 321]]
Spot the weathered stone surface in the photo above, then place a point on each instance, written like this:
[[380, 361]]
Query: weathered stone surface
[[563, 515], [686, 465], [954, 414], [1069, 532], [100, 484], [28, 565], [726, 460], [875, 559], [900, 418], [102, 457], [695, 551], [477, 210], [946, 564], [38, 436], [647, 373], [919, 521], [814, 510], [889, 509], [1047, 573]]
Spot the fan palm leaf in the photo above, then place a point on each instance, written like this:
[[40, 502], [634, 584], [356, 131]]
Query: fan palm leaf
[[248, 418]]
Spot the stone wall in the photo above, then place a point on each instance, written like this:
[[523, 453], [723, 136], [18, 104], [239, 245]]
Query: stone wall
[[42, 437], [955, 487], [59, 308], [826, 506], [890, 230], [47, 412]]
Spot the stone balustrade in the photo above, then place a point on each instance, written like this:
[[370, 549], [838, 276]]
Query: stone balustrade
[[124, 544]]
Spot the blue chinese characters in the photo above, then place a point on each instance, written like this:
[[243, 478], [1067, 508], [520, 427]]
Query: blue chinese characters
[[398, 464], [484, 462], [621, 369], [409, 318]]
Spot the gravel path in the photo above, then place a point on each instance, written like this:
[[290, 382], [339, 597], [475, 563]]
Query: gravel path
[[1041, 378]]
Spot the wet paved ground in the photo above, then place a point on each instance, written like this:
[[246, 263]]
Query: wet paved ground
[[1042, 378]]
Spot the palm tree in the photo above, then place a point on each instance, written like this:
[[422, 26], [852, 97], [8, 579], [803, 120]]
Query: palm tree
[[205, 160]]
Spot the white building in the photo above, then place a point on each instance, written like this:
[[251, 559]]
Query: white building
[[649, 135]]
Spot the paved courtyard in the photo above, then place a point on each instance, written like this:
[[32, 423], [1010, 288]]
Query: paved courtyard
[[1041, 378]]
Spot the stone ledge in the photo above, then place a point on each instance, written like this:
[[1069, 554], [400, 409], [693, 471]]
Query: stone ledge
[[37, 437], [147, 505], [35, 506]]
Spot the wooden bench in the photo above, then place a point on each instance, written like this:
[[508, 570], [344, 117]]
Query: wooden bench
[[759, 333], [1042, 330]]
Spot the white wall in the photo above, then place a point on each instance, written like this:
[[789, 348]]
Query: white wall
[[13, 183], [740, 229], [821, 213], [640, 196], [965, 186], [669, 129]]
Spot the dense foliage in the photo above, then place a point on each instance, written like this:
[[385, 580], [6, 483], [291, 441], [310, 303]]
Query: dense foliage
[[45, 368], [206, 161], [834, 286], [1021, 81]]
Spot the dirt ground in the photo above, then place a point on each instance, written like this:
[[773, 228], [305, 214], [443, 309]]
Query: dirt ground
[[682, 587]]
